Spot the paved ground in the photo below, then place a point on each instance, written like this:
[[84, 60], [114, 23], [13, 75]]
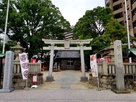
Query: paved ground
[[61, 90], [65, 80]]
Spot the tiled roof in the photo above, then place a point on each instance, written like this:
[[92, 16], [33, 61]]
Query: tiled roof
[[67, 54]]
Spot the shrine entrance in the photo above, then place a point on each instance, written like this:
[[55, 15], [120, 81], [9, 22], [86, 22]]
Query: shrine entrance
[[70, 64], [67, 46], [67, 60]]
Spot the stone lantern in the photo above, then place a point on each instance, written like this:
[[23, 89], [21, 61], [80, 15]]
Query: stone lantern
[[108, 53], [17, 50]]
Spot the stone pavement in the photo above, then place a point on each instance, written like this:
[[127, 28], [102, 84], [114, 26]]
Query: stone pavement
[[66, 88], [69, 79]]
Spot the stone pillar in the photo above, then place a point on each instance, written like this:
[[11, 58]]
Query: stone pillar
[[8, 71], [120, 87], [105, 67], [83, 78], [50, 78], [119, 65]]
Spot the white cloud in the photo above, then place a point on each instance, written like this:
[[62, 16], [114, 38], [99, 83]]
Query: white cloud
[[72, 10]]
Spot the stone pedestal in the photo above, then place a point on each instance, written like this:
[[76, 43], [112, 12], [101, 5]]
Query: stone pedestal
[[49, 78], [120, 91], [134, 85], [104, 82], [84, 79]]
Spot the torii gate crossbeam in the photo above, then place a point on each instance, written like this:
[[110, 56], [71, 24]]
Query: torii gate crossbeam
[[66, 47]]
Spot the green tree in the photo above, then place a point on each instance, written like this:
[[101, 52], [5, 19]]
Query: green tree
[[99, 25], [114, 31], [31, 20], [92, 25]]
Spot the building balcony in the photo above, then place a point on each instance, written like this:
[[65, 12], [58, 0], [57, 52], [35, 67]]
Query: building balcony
[[118, 11], [134, 31], [117, 2], [133, 5], [121, 19], [134, 18]]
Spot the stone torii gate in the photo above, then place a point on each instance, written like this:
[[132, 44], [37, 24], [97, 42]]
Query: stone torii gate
[[67, 44]]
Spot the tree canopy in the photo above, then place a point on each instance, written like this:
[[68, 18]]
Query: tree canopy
[[92, 23], [114, 30], [31, 20], [99, 25]]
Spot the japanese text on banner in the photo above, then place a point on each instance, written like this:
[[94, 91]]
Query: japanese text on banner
[[93, 65], [24, 65]]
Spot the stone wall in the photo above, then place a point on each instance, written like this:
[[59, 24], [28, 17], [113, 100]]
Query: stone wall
[[108, 82], [19, 83]]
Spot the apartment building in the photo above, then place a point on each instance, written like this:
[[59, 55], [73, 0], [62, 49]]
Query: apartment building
[[68, 35], [118, 7]]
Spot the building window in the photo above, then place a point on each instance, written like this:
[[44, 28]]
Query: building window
[[134, 25], [115, 1], [118, 15], [134, 35], [117, 7], [122, 23], [132, 1]]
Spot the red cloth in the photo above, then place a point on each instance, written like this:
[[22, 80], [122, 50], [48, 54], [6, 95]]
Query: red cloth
[[33, 60]]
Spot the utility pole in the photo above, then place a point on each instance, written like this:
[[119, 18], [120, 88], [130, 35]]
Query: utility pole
[[3, 50], [130, 61]]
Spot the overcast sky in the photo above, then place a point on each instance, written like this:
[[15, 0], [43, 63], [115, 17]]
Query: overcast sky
[[72, 10]]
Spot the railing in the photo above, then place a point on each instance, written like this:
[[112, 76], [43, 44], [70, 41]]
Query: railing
[[100, 68], [107, 69], [111, 69], [129, 69], [32, 67]]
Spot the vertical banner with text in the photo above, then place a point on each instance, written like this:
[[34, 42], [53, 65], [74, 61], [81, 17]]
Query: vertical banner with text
[[93, 65], [24, 65]]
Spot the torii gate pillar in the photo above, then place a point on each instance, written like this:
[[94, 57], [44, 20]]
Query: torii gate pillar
[[50, 78], [83, 78]]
